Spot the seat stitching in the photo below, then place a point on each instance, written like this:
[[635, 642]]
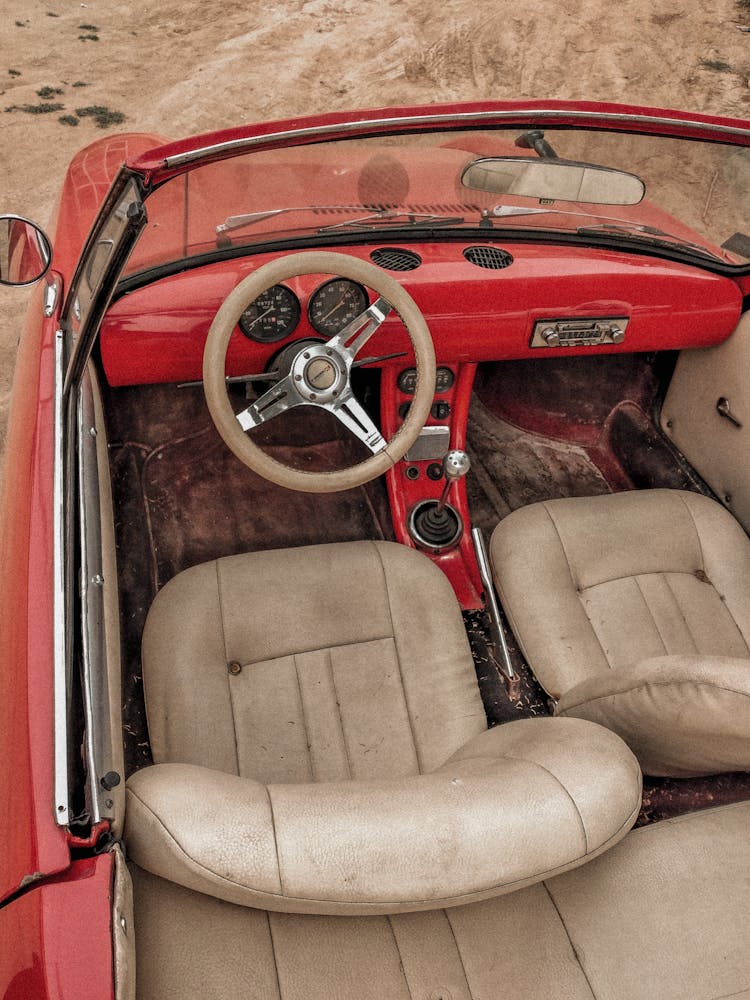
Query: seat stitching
[[527, 760], [578, 957], [562, 544], [398, 658], [275, 840], [646, 606], [574, 583], [315, 649], [458, 951], [685, 504], [682, 613], [273, 952], [310, 759], [226, 659], [389, 920], [338, 709], [630, 576]]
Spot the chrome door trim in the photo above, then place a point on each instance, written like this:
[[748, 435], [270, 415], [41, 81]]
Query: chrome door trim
[[60, 696]]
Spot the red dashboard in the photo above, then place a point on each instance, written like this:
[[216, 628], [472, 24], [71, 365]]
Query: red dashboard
[[156, 333]]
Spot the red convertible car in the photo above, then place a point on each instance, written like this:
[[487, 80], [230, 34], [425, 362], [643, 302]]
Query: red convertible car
[[374, 563]]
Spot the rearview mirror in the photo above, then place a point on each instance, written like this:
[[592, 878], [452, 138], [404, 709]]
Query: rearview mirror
[[25, 251], [553, 180]]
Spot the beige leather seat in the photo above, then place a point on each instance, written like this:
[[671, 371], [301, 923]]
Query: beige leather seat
[[633, 610], [320, 744], [662, 916]]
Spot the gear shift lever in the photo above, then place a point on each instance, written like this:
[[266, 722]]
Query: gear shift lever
[[435, 524], [455, 466]]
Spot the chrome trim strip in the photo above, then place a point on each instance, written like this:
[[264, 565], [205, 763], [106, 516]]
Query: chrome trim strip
[[59, 625], [94, 673], [478, 117], [88, 711]]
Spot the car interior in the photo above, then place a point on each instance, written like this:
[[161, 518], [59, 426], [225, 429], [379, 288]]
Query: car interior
[[350, 771]]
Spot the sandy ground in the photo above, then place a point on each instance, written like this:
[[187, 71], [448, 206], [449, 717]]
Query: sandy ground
[[182, 67]]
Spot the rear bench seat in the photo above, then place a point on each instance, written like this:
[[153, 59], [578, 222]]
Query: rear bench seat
[[664, 914]]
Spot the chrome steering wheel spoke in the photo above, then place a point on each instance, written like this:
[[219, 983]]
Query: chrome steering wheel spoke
[[355, 418], [349, 341], [278, 399]]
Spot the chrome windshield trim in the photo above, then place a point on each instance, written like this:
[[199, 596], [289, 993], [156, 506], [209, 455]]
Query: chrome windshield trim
[[83, 583], [60, 666], [94, 677], [476, 117]]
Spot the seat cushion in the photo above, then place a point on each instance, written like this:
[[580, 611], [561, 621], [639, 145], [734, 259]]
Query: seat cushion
[[662, 915], [681, 715], [514, 805], [593, 587], [322, 663]]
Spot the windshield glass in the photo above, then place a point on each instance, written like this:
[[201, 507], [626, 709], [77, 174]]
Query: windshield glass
[[694, 194]]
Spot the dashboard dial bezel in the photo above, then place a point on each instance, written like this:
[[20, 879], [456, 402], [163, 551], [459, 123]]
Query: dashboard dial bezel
[[334, 320], [276, 332]]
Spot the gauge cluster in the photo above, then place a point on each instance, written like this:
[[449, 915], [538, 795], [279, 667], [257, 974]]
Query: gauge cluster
[[276, 313]]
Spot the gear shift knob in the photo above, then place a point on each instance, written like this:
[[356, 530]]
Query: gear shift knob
[[456, 464]]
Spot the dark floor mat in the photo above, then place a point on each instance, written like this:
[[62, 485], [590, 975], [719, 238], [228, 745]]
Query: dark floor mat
[[512, 467], [569, 398], [182, 498]]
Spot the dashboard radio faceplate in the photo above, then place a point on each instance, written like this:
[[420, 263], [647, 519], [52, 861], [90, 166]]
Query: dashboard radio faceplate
[[585, 332]]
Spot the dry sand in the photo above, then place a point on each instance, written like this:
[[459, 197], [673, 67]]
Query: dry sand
[[183, 67]]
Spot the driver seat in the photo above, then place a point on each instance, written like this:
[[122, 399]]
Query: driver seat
[[320, 744]]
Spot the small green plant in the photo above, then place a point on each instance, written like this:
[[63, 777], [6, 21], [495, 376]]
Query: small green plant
[[88, 27], [14, 72], [103, 116], [88, 38], [79, 83], [36, 109], [47, 92], [717, 65], [69, 120]]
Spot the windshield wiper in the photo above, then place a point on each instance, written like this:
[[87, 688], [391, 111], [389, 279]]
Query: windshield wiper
[[397, 220], [609, 226], [644, 234], [233, 222]]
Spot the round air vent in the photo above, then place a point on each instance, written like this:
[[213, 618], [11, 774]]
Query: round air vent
[[395, 259], [492, 258]]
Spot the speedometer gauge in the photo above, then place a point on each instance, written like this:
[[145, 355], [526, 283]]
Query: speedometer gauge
[[272, 316], [335, 304]]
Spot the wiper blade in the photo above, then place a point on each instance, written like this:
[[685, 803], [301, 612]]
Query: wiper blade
[[233, 222], [644, 234], [609, 225], [387, 217]]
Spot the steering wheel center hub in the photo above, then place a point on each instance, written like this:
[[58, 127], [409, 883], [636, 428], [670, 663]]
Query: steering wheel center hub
[[319, 373]]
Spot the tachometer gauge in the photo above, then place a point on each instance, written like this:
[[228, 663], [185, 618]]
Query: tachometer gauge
[[335, 304], [272, 316]]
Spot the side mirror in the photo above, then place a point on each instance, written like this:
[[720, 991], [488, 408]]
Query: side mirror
[[553, 180], [25, 251]]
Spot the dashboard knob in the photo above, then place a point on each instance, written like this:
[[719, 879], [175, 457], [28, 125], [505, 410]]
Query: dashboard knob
[[617, 334], [551, 337]]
